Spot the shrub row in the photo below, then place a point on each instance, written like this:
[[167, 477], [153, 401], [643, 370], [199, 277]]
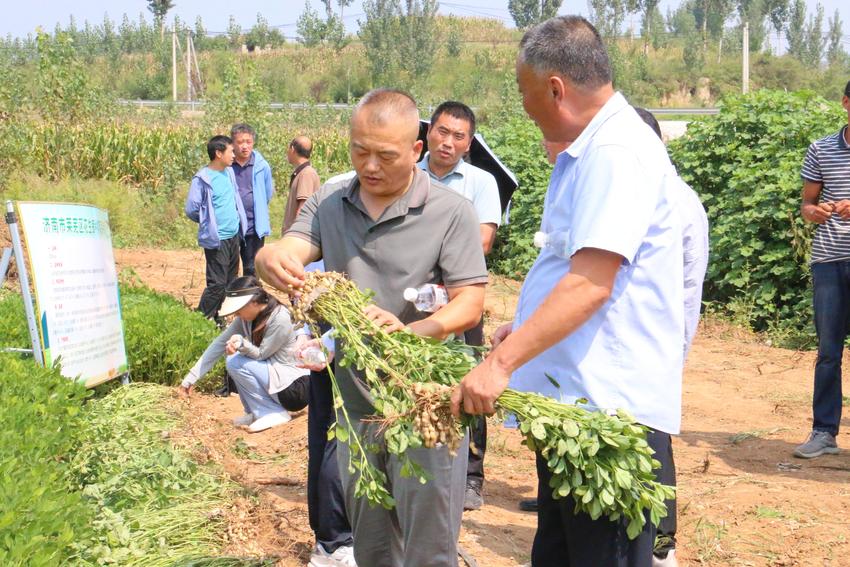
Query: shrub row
[[163, 338], [745, 164]]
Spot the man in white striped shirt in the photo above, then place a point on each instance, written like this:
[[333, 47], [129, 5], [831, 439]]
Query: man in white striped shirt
[[826, 201]]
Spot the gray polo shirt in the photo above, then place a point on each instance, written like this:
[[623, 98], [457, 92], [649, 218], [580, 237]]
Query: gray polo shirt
[[429, 235]]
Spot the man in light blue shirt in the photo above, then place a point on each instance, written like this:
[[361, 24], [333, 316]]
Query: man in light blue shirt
[[605, 317], [450, 135], [214, 204]]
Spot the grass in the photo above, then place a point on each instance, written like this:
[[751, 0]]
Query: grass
[[739, 438], [708, 537], [243, 450]]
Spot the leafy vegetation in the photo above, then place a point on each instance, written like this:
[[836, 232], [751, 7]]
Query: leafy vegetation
[[745, 165], [95, 481], [163, 338], [39, 429]]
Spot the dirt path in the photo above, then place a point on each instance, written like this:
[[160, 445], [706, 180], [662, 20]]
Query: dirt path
[[743, 499]]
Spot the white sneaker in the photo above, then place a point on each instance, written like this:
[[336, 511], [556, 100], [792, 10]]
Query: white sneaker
[[669, 561], [270, 420], [244, 419], [343, 556]]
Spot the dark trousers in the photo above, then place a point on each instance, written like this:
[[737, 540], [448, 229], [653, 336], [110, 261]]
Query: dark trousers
[[248, 248], [325, 499], [222, 268], [832, 316], [668, 525], [296, 396], [565, 538], [478, 428]]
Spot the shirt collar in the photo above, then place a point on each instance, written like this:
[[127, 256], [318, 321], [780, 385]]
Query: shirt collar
[[459, 168], [414, 197], [248, 163], [842, 141], [298, 169], [614, 105]]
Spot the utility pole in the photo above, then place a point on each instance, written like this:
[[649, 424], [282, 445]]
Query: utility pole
[[745, 75], [174, 65], [188, 66]]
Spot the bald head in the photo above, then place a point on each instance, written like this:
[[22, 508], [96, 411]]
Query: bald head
[[383, 107], [302, 146]]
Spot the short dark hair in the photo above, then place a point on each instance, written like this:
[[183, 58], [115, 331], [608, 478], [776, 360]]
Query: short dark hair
[[650, 120], [569, 46], [242, 128], [300, 149], [218, 144], [456, 110], [847, 89]]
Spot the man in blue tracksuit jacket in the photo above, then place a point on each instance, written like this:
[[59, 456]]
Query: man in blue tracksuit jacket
[[214, 204], [256, 188]]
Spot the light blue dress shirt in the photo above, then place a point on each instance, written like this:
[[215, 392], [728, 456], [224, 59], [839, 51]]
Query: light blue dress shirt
[[476, 185], [613, 189]]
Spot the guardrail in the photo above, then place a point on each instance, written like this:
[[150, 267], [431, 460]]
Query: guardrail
[[199, 105]]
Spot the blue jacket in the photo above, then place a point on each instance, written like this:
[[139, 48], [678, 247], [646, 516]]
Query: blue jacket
[[263, 193], [199, 208]]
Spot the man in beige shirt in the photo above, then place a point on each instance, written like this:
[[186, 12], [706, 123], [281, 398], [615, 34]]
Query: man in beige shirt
[[304, 180]]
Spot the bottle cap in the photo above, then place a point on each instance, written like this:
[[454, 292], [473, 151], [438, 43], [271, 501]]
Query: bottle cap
[[540, 239], [410, 294]]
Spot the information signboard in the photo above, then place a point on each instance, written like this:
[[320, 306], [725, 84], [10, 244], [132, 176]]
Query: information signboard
[[76, 289]]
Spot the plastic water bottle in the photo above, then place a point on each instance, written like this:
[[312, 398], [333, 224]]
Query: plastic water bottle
[[313, 355], [428, 297], [556, 241]]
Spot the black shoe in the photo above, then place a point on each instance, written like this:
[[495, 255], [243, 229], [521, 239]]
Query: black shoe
[[473, 500], [528, 505], [222, 392]]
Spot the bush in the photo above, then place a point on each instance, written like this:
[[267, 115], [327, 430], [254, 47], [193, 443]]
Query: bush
[[745, 164], [162, 337], [517, 142], [40, 423]]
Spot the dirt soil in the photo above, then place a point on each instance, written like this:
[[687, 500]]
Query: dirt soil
[[743, 499]]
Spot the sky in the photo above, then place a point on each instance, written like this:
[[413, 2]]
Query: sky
[[22, 18]]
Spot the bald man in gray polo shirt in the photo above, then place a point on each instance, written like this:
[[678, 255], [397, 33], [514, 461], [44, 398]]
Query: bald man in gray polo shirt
[[390, 228]]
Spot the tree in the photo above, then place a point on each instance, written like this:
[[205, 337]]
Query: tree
[[717, 10], [159, 9], [815, 40], [753, 12], [234, 33], [527, 13], [262, 35], [650, 20], [795, 31], [608, 15], [835, 53], [400, 41], [778, 12], [343, 4], [312, 30]]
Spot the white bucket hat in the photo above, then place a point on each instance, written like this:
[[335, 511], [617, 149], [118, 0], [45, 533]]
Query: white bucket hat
[[236, 299]]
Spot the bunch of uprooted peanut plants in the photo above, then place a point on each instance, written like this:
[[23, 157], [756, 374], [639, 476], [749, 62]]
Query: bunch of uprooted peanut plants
[[602, 460]]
